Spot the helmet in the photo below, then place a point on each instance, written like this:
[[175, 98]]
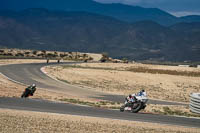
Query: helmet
[[142, 90], [130, 96], [33, 85]]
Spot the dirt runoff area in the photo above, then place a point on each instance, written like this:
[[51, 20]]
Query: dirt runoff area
[[171, 83], [14, 121]]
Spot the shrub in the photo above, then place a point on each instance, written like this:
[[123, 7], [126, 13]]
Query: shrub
[[103, 59], [20, 54], [41, 55], [90, 58], [8, 54], [43, 51], [50, 55], [63, 55], [27, 52], [125, 60], [1, 51], [35, 52]]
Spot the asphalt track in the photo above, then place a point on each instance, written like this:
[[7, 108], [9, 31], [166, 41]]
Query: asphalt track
[[61, 108], [30, 73]]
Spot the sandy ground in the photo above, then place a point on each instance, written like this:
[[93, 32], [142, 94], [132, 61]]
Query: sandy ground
[[14, 121], [96, 57], [136, 65], [158, 86]]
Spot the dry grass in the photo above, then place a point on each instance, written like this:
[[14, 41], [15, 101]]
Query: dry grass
[[170, 110], [118, 79], [14, 121], [160, 71], [123, 66]]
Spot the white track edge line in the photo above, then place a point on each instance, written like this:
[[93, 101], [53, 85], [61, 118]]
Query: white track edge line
[[12, 79]]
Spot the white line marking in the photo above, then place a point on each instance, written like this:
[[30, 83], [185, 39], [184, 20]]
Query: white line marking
[[12, 79]]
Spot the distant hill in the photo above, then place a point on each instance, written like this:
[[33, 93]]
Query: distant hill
[[190, 18], [120, 11], [87, 32]]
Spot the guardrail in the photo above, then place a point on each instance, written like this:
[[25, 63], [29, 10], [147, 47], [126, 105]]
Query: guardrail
[[195, 103]]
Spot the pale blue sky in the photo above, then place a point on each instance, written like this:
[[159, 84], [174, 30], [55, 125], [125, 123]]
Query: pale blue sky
[[176, 7]]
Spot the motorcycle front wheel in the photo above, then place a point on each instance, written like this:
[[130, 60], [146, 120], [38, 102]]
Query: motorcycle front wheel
[[136, 107]]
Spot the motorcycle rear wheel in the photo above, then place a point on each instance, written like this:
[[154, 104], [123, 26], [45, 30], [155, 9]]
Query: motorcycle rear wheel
[[122, 108], [25, 94]]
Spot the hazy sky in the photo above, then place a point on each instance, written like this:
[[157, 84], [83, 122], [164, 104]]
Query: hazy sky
[[176, 7]]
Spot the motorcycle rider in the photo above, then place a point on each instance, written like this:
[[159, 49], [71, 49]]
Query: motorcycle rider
[[31, 89], [130, 99], [142, 93], [135, 102]]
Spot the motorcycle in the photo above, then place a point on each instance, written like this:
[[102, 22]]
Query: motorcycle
[[136, 106], [27, 93]]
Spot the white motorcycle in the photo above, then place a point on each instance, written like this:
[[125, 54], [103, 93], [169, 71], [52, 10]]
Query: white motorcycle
[[134, 107]]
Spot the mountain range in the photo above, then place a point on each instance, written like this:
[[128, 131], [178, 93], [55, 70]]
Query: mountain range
[[119, 11], [44, 29]]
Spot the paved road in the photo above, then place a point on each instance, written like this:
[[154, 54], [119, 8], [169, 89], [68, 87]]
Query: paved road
[[53, 107], [30, 73]]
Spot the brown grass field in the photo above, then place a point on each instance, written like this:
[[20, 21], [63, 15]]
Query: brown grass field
[[171, 83], [13, 121]]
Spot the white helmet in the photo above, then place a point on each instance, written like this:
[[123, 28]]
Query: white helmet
[[33, 85]]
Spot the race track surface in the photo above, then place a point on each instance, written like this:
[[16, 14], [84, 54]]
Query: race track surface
[[62, 108]]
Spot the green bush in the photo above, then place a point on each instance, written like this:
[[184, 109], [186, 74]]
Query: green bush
[[35, 52]]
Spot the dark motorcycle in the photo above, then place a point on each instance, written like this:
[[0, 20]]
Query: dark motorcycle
[[27, 93], [136, 106]]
